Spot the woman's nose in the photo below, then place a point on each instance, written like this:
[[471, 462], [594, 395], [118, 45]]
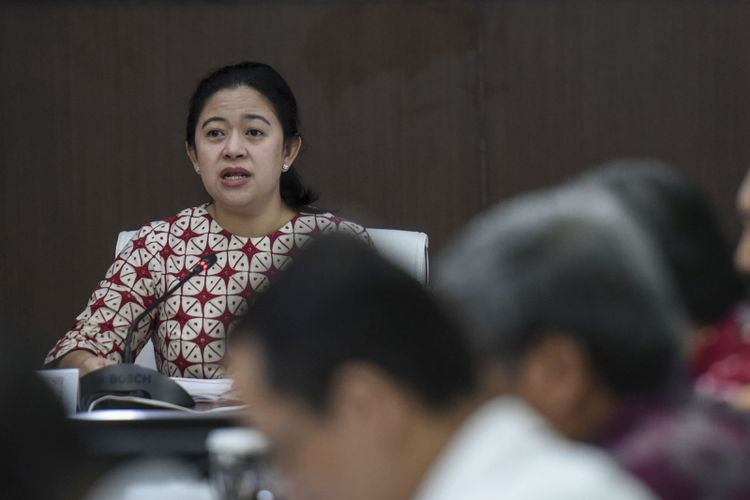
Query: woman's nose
[[234, 147]]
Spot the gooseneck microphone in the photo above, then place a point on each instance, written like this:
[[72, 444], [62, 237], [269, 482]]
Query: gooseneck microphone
[[204, 264], [128, 379]]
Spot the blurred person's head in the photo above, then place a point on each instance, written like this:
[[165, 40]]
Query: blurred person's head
[[742, 254], [565, 304], [677, 214], [354, 373], [43, 455]]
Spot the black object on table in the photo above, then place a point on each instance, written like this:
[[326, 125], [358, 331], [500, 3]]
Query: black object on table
[[117, 435]]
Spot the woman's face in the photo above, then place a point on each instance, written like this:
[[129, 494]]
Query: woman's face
[[240, 149]]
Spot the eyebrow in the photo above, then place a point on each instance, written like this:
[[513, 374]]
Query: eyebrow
[[248, 116]]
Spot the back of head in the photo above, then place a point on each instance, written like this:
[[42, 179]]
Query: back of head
[[340, 302], [678, 216], [566, 262]]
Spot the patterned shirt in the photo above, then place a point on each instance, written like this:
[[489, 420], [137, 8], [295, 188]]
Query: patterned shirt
[[721, 363], [188, 329], [683, 446]]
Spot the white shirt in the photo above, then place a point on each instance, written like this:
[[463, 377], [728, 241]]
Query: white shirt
[[506, 451]]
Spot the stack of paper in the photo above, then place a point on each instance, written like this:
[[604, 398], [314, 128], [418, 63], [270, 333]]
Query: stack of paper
[[202, 389]]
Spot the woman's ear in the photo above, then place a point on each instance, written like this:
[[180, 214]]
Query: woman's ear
[[292, 147], [190, 150]]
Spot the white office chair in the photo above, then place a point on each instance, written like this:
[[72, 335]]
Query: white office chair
[[406, 249]]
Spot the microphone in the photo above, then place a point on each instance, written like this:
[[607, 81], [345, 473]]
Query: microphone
[[206, 262], [128, 379]]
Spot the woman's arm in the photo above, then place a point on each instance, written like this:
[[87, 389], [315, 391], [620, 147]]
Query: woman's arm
[[85, 361], [97, 336]]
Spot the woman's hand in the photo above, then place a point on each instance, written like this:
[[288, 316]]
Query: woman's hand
[[94, 363], [85, 361]]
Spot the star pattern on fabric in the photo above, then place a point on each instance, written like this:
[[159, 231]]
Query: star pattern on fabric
[[188, 329]]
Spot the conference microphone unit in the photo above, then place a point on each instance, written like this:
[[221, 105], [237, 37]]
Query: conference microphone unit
[[130, 380]]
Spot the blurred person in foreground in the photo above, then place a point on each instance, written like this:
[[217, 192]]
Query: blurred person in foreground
[[678, 216], [44, 457], [569, 306], [367, 391]]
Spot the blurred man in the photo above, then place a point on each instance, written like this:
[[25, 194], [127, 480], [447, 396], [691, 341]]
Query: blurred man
[[567, 305], [367, 391], [678, 216]]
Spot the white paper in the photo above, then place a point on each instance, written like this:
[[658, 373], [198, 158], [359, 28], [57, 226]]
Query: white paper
[[64, 383], [156, 404], [202, 389]]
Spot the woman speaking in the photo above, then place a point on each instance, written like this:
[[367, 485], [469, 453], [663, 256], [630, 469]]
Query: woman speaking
[[242, 139]]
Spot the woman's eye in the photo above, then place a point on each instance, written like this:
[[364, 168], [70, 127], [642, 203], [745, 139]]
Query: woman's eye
[[214, 134], [254, 132]]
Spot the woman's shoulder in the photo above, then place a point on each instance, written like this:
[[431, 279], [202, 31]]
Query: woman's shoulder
[[157, 234], [192, 218], [313, 221]]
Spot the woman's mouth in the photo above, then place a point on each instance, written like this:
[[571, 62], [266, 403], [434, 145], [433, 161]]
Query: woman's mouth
[[235, 176]]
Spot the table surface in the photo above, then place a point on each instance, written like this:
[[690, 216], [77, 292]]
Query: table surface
[[155, 415], [141, 432]]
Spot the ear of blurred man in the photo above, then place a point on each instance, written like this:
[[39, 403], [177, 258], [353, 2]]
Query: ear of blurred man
[[364, 398], [557, 379]]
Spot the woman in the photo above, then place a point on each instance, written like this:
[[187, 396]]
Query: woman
[[242, 140]]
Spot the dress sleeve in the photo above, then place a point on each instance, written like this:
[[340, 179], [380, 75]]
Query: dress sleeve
[[126, 290], [346, 226]]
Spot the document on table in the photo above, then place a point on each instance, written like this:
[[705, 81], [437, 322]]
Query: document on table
[[64, 383], [127, 402], [203, 389]]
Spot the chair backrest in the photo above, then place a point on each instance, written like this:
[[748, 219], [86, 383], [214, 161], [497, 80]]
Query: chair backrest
[[122, 239], [406, 249]]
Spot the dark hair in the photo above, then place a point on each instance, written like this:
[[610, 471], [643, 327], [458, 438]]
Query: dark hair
[[565, 262], [268, 82], [678, 215], [340, 302]]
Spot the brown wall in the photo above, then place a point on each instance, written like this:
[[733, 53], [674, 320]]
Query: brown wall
[[415, 114]]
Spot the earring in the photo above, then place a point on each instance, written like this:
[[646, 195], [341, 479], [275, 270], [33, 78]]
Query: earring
[[285, 167], [198, 170]]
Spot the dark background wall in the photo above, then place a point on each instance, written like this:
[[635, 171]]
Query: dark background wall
[[416, 114]]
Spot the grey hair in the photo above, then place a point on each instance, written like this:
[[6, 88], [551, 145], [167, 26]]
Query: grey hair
[[570, 261]]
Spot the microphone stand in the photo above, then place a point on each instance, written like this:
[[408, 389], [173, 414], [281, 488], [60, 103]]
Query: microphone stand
[[128, 379]]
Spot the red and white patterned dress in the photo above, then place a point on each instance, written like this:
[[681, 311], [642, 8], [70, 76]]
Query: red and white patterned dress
[[189, 329]]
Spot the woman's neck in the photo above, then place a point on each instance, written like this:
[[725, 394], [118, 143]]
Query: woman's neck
[[252, 224]]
